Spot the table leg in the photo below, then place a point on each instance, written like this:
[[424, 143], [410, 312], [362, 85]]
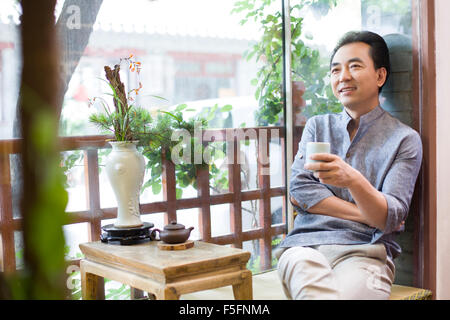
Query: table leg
[[244, 290], [90, 286], [168, 293], [136, 294]]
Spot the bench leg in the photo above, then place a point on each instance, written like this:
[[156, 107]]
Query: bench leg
[[168, 293], [136, 294], [91, 286], [244, 290]]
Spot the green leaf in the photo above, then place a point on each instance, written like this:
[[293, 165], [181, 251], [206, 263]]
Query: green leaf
[[155, 96], [156, 188], [172, 115], [180, 107], [179, 193], [226, 108]]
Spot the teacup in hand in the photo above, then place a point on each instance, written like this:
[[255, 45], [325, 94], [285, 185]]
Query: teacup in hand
[[316, 147]]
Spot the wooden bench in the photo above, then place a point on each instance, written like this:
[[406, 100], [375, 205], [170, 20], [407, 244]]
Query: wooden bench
[[399, 292]]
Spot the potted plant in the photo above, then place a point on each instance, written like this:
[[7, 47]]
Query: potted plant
[[125, 166]]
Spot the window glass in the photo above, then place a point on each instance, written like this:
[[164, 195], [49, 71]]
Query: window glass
[[10, 63], [210, 55], [190, 52], [197, 53]]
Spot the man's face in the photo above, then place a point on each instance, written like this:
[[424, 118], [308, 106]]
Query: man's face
[[354, 80]]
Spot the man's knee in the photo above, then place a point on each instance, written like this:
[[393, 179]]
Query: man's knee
[[363, 280], [302, 257], [300, 260], [306, 274]]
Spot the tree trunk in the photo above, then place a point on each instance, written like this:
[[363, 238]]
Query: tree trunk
[[75, 25], [73, 40]]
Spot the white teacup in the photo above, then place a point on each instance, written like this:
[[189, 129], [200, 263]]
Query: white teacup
[[316, 147]]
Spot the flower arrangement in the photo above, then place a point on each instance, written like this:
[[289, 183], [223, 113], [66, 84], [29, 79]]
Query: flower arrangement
[[126, 121], [130, 123]]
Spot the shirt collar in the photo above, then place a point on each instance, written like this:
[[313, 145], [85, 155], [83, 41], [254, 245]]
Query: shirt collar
[[365, 119]]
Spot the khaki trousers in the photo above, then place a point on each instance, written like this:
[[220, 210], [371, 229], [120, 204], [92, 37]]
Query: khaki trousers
[[346, 272]]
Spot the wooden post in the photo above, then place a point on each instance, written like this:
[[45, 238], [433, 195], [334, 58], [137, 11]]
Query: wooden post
[[427, 178], [92, 184], [6, 216], [265, 213], [205, 209], [284, 180], [169, 188], [91, 178], [235, 186]]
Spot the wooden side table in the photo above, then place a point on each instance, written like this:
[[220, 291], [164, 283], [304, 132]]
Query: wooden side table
[[166, 274]]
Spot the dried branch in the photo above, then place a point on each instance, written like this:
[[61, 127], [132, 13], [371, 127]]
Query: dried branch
[[120, 98]]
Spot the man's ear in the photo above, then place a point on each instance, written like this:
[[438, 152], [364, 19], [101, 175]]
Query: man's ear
[[382, 75]]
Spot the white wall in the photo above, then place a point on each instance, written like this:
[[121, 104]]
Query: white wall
[[443, 148]]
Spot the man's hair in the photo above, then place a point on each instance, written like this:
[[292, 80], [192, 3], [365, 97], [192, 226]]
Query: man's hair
[[379, 51]]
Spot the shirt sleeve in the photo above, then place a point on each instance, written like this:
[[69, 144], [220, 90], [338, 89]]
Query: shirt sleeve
[[304, 187], [399, 183]]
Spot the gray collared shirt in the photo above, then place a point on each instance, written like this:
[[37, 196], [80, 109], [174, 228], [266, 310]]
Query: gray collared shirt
[[389, 155]]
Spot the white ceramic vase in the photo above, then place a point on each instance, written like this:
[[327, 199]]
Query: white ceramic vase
[[125, 168]]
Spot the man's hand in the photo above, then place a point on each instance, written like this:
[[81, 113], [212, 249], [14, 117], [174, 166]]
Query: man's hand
[[333, 171], [336, 172]]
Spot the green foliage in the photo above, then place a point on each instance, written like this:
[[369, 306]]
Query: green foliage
[[46, 218], [129, 123], [70, 159], [155, 139], [121, 293], [135, 120], [219, 179], [159, 141], [254, 264], [306, 62]]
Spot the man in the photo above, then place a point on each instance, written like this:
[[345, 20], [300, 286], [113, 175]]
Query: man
[[352, 202]]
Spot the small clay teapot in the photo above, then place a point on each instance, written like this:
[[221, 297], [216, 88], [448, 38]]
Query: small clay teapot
[[174, 233]]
